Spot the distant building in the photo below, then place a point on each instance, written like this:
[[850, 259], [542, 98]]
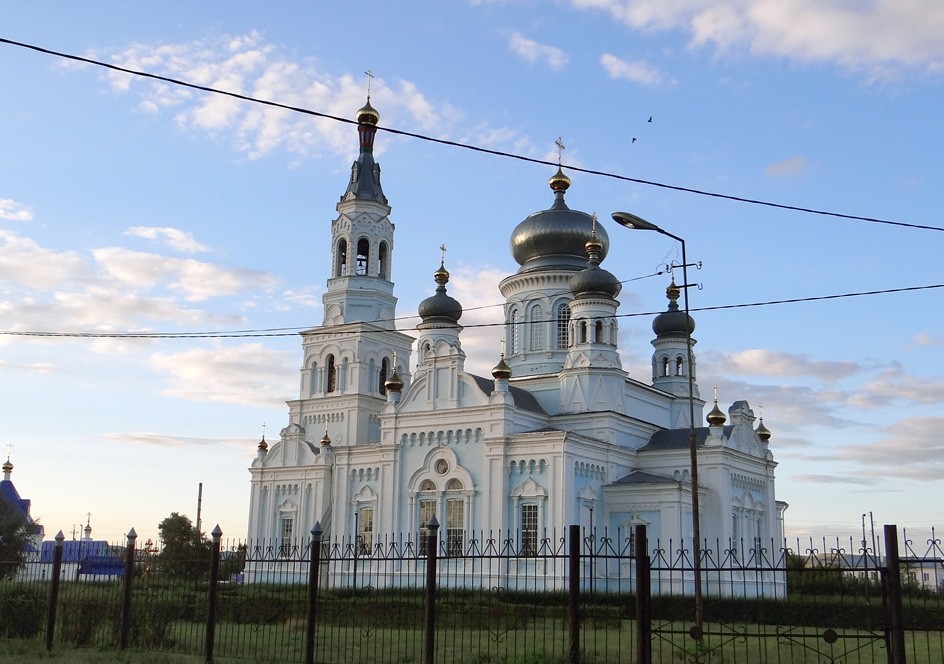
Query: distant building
[[389, 429], [84, 559], [9, 493]]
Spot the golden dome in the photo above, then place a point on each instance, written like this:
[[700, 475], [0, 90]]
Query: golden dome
[[394, 383], [762, 432], [501, 371], [716, 417], [559, 181], [263, 445], [325, 441], [367, 114]]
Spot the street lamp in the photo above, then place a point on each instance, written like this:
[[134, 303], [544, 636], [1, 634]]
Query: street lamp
[[633, 222]]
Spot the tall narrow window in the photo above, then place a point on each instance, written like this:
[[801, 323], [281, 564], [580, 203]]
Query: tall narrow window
[[665, 366], [455, 526], [382, 261], [678, 366], [331, 375], [427, 512], [340, 268], [529, 530], [384, 364], [313, 379], [515, 332], [583, 331], [536, 327], [363, 247], [286, 528], [365, 535], [598, 332], [563, 326]]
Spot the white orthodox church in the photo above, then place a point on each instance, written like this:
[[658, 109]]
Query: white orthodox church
[[389, 429]]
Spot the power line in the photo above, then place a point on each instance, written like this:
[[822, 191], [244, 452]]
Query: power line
[[474, 148], [293, 331]]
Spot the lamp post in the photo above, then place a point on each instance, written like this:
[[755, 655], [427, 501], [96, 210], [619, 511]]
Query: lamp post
[[633, 222]]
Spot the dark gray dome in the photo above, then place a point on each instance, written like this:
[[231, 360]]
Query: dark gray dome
[[440, 308], [556, 238], [594, 280], [672, 323]]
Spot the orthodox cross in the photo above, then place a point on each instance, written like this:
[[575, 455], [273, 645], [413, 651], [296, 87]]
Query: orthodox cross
[[442, 248], [370, 76], [89, 522], [560, 149], [593, 226], [503, 347], [716, 393], [263, 430], [9, 450]]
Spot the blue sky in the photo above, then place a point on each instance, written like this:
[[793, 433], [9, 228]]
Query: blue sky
[[132, 206]]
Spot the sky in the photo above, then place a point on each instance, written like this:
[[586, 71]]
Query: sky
[[130, 205]]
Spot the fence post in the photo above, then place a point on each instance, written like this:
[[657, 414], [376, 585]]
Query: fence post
[[643, 597], [894, 623], [54, 589], [432, 548], [211, 599], [314, 572], [126, 595], [573, 594]]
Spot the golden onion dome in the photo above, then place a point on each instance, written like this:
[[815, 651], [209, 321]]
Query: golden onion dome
[[367, 114], [559, 181], [7, 466], [501, 371], [263, 445], [762, 432], [716, 417], [394, 383], [325, 441]]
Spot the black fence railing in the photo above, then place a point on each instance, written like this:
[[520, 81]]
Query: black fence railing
[[590, 597]]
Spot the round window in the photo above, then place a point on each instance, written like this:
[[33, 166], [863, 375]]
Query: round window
[[442, 466]]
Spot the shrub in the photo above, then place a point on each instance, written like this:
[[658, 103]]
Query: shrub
[[22, 610]]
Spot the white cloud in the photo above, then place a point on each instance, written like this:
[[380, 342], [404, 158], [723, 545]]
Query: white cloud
[[878, 37], [475, 288], [914, 450], [24, 263], [790, 166], [249, 374], [10, 209], [760, 362], [895, 386], [197, 280], [166, 440], [172, 237], [534, 52], [247, 65], [637, 71]]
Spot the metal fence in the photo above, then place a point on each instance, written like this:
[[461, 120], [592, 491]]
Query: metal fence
[[590, 597]]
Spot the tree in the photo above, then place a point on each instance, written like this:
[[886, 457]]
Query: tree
[[14, 538], [185, 552]]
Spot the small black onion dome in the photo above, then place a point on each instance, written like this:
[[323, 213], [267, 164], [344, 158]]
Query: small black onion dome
[[594, 280], [394, 383], [762, 432], [716, 417], [367, 114], [556, 237], [672, 322], [440, 307], [501, 371], [263, 445]]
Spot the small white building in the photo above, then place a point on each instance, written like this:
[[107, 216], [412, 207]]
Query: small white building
[[389, 429]]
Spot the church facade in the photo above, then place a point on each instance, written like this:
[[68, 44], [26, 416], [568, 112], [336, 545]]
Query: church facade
[[390, 430]]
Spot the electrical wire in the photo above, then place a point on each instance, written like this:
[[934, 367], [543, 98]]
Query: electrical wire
[[293, 331], [474, 148]]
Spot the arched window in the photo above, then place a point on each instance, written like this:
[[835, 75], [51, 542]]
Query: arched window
[[382, 262], [454, 485], [583, 331], [515, 332], [427, 485], [665, 366], [384, 364], [598, 332], [342, 376], [563, 326], [331, 375], [313, 378], [536, 327], [363, 249], [340, 268], [679, 364]]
